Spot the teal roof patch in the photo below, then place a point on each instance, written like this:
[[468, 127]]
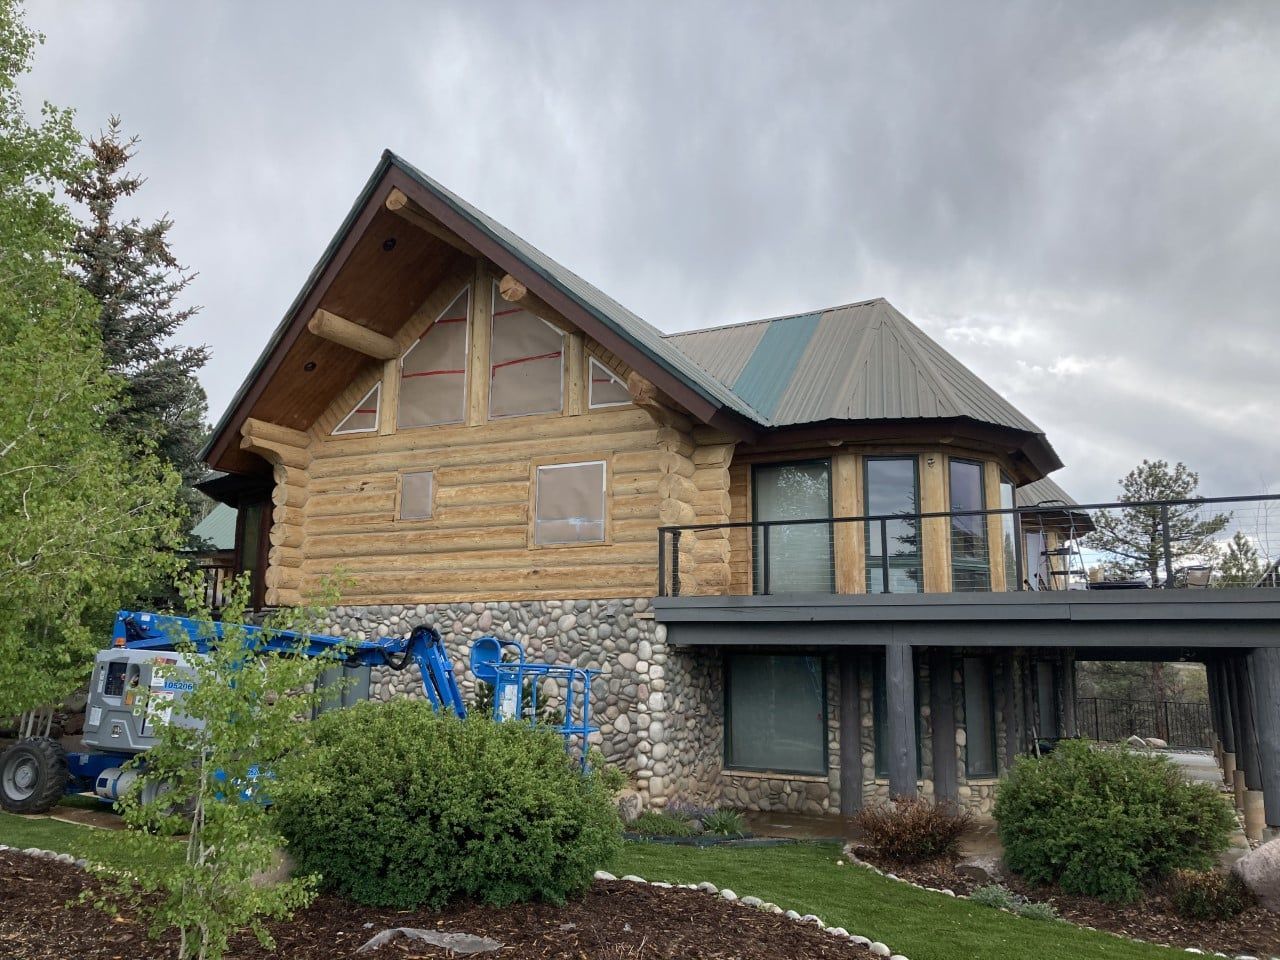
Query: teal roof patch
[[767, 374]]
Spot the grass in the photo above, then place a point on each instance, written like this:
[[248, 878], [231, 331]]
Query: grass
[[803, 877], [918, 924]]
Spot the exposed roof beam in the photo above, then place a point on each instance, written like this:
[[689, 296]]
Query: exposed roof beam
[[513, 291], [339, 330], [401, 205]]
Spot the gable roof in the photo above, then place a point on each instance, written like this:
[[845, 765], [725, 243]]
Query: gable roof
[[218, 528], [859, 362]]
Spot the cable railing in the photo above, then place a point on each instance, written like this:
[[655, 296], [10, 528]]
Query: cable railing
[[1203, 543]]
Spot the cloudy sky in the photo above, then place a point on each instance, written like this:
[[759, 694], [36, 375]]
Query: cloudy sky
[[1080, 200]]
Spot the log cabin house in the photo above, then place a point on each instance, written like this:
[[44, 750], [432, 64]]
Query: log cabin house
[[818, 560]]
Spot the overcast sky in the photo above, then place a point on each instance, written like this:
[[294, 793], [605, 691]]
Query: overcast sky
[[1080, 200]]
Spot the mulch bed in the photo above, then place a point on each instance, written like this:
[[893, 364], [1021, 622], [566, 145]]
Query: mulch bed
[[1153, 919], [615, 920]]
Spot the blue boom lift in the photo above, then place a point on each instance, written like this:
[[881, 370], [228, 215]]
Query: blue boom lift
[[143, 668]]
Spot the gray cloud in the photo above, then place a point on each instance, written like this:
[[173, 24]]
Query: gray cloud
[[1078, 199]]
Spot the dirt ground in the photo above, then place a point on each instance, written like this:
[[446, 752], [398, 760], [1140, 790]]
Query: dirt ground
[[613, 921]]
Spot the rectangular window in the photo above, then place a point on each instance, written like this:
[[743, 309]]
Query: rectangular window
[[1047, 699], [970, 563], [526, 367], [893, 547], [569, 503], [417, 495], [606, 388], [880, 720], [799, 555], [979, 718], [1009, 533], [776, 713]]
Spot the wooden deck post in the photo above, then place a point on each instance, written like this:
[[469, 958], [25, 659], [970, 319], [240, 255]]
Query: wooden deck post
[[1215, 707], [942, 714], [1249, 789], [1228, 721], [1067, 687], [900, 696], [850, 736], [1264, 669], [1012, 710], [1236, 781]]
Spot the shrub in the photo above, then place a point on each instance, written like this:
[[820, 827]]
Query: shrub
[[403, 807], [911, 830], [1103, 822], [725, 823], [994, 895], [1036, 911], [652, 823], [1207, 894]]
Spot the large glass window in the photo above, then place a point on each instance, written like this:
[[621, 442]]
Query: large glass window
[[970, 564], [893, 548], [1009, 533], [433, 372], [776, 713], [979, 718], [526, 362], [569, 503], [799, 555]]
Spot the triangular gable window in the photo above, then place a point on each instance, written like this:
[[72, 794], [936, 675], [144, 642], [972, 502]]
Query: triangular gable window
[[433, 372], [364, 416], [526, 363], [607, 388]]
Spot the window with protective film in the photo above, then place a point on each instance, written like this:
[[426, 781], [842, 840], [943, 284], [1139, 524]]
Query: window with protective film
[[606, 388], [364, 415], [569, 503], [526, 363], [433, 372], [417, 495]]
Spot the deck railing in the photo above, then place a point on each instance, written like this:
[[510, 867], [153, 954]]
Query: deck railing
[[1209, 542]]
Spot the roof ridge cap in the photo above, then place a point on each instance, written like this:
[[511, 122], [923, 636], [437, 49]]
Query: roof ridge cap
[[786, 316]]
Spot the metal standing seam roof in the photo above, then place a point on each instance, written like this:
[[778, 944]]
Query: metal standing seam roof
[[218, 527], [1043, 492], [860, 361]]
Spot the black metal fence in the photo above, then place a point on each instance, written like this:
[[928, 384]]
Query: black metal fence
[[1180, 723]]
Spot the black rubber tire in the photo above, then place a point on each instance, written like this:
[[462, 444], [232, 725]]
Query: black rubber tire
[[33, 776]]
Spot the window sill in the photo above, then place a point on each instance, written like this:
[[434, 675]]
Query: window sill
[[772, 775]]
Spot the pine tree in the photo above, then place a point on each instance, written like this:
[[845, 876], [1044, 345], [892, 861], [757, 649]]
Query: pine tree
[[128, 268], [1241, 564]]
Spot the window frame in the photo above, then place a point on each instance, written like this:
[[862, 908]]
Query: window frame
[[466, 362], [569, 460], [399, 508], [592, 361], [757, 557], [727, 752], [337, 431], [989, 667], [564, 353], [983, 527], [867, 552]]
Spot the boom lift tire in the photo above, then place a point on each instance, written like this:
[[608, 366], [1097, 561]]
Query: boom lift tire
[[33, 775]]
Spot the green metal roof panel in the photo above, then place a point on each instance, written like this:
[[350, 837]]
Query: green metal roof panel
[[218, 528], [1042, 492], [772, 366]]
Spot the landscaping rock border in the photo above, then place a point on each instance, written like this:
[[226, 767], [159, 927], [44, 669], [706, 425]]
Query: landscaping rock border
[[876, 947]]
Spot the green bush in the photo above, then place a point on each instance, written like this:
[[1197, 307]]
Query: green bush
[[401, 807], [995, 896], [911, 830], [1036, 911], [1104, 822], [1207, 894], [725, 823], [651, 823]]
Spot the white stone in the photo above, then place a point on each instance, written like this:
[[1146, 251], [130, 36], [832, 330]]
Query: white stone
[[838, 932], [727, 894], [860, 940], [661, 885], [792, 915], [1260, 871], [880, 950], [707, 887], [897, 956], [814, 919], [632, 878], [775, 909], [604, 875], [751, 901]]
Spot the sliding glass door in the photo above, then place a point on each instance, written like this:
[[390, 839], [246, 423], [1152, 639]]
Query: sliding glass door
[[797, 557], [893, 547]]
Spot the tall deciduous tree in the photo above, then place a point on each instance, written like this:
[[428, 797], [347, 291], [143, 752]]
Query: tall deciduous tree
[[83, 521], [128, 268]]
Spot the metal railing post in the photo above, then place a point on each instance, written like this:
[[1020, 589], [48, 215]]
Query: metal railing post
[[1167, 538], [1019, 548], [662, 563], [884, 553], [675, 563], [764, 559]]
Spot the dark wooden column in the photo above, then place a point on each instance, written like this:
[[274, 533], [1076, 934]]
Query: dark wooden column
[[850, 735], [900, 696], [1264, 669], [1247, 737], [942, 711], [1030, 702], [1067, 686], [1235, 776], [1228, 720], [1215, 706], [1013, 735]]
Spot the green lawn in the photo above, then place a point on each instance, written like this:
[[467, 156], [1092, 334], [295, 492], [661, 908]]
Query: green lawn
[[803, 877], [920, 925]]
